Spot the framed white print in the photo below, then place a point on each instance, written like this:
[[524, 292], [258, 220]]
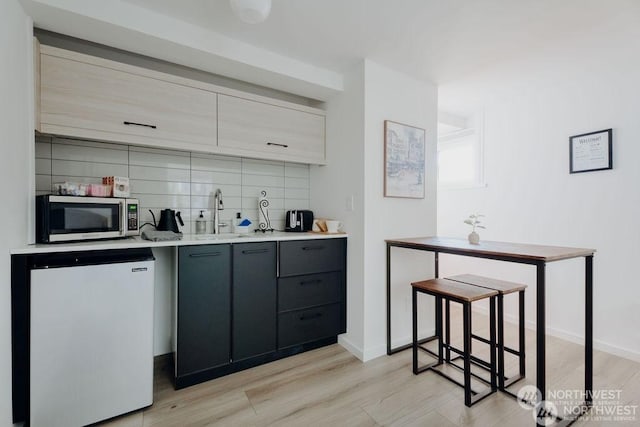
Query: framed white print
[[404, 160]]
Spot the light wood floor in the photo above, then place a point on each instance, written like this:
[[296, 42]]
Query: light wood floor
[[331, 387]]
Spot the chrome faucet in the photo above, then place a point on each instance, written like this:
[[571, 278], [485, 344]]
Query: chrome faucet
[[218, 206]]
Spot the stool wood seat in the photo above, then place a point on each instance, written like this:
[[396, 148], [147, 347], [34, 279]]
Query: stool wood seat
[[503, 288], [465, 294]]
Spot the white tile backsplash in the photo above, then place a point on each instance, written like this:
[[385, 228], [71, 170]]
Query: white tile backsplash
[[177, 180]]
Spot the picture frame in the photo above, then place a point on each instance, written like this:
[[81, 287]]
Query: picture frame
[[404, 160], [591, 151]]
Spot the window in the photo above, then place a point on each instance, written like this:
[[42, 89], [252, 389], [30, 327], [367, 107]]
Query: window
[[459, 154]]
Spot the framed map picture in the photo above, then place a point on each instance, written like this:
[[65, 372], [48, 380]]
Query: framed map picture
[[404, 160]]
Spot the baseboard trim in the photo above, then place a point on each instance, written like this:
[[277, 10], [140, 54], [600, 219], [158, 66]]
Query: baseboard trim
[[350, 347], [571, 337]]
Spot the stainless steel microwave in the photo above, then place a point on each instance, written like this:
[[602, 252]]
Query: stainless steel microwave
[[69, 218]]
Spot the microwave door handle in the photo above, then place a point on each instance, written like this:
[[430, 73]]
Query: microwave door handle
[[123, 217]]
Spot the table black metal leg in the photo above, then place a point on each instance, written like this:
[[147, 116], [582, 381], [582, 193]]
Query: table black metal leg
[[540, 331], [521, 337], [389, 351], [588, 346], [414, 319]]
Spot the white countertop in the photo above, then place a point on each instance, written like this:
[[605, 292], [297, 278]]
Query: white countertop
[[187, 239]]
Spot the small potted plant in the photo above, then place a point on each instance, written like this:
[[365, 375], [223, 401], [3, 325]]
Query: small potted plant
[[474, 222]]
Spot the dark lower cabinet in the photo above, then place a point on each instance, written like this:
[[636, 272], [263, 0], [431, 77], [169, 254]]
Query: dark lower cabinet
[[254, 299], [245, 304], [203, 308]]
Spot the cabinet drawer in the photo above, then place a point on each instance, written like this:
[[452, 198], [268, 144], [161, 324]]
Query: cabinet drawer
[[310, 290], [298, 327], [311, 256]]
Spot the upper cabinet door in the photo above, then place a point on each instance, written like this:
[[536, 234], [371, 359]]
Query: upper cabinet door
[[93, 98], [252, 128]]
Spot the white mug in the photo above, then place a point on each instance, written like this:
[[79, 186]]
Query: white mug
[[333, 226]]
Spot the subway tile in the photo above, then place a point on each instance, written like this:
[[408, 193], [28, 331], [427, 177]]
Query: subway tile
[[296, 193], [43, 150], [206, 202], [89, 154], [43, 183], [43, 166], [296, 204], [206, 190], [162, 201], [262, 180], [139, 158], [159, 174], [295, 170], [296, 182], [89, 144], [262, 167], [216, 164], [216, 177], [88, 169], [255, 191], [161, 151], [160, 187]]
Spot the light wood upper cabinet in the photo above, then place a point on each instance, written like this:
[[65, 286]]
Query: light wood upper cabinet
[[95, 98], [249, 126], [89, 97]]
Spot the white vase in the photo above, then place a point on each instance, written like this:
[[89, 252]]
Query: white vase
[[474, 238]]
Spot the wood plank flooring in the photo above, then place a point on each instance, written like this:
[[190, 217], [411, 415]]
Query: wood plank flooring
[[330, 387]]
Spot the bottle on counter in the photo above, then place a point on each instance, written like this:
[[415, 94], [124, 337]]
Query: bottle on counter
[[201, 224]]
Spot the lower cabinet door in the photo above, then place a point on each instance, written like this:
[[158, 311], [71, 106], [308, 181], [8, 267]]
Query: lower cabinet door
[[254, 299], [204, 308], [301, 326]]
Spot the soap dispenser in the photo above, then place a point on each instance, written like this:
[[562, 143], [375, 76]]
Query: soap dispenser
[[201, 224]]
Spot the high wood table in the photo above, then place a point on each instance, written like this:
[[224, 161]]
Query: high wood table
[[536, 255]]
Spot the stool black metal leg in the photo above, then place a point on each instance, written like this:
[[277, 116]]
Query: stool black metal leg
[[439, 328], [492, 338], [521, 335], [414, 318], [447, 326], [466, 320], [501, 341]]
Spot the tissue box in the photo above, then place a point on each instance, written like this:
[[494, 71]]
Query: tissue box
[[119, 185]]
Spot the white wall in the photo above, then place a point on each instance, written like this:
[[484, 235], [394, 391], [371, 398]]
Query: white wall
[[16, 131], [585, 83], [390, 95], [340, 179], [355, 154]]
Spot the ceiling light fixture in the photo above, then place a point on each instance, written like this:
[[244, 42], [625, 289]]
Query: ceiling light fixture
[[251, 11]]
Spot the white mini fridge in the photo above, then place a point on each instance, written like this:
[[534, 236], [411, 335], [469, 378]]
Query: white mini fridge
[[91, 338]]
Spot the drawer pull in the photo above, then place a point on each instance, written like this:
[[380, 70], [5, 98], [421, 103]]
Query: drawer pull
[[254, 251], [311, 316], [204, 254], [313, 248], [310, 282], [140, 124], [278, 145]]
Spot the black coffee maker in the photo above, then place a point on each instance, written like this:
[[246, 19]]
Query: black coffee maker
[[168, 220]]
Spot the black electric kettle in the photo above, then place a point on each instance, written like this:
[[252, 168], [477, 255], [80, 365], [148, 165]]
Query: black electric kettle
[[168, 220]]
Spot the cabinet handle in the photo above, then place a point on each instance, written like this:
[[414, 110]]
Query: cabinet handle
[[140, 124], [310, 282], [312, 316], [278, 145], [313, 248], [205, 254], [254, 251]]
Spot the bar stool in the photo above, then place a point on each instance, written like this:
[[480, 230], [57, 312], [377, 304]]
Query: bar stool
[[503, 288], [450, 290]]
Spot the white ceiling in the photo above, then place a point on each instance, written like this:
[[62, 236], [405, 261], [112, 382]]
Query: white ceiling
[[306, 46], [436, 40]]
